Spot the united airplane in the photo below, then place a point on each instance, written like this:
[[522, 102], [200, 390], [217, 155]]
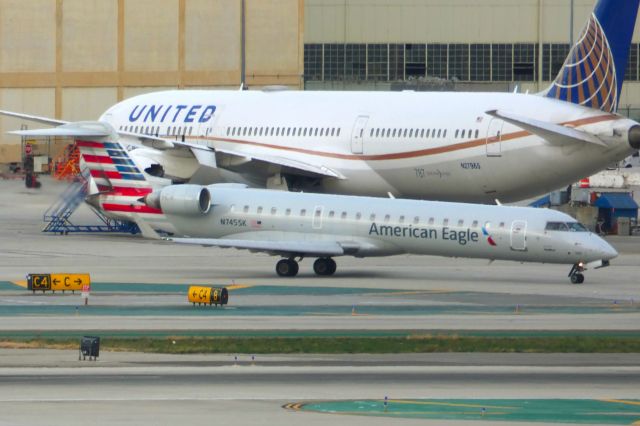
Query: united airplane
[[298, 225], [472, 147]]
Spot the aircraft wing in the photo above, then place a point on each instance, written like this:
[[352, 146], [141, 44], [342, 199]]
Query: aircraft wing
[[285, 162], [100, 129], [553, 133], [37, 119], [284, 248]]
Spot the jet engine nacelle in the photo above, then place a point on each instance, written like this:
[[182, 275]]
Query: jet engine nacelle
[[181, 200]]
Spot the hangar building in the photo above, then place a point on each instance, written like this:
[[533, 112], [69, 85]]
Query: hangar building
[[71, 59]]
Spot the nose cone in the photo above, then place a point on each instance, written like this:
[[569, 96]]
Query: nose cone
[[605, 250]]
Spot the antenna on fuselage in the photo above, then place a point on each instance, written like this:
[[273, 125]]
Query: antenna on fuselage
[[498, 203], [391, 195]]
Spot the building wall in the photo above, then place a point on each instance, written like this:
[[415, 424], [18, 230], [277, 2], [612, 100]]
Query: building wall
[[72, 59], [349, 23]]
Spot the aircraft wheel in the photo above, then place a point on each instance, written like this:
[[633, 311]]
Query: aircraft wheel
[[332, 266], [287, 268], [577, 278], [324, 266]]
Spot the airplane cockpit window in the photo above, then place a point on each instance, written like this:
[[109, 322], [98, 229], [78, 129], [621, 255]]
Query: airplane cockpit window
[[556, 226], [577, 227]]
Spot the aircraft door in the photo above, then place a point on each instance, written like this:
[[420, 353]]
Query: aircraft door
[[317, 217], [494, 138], [519, 235], [357, 135]]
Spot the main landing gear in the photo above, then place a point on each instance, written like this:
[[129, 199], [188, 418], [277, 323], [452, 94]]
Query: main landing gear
[[575, 274], [289, 267]]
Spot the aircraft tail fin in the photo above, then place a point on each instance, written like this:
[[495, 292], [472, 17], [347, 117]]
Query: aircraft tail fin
[[593, 73], [120, 182]]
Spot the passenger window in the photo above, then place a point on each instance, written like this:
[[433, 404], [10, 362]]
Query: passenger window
[[245, 209], [372, 217], [305, 132], [287, 212], [303, 212], [338, 134], [321, 132], [416, 219], [371, 133], [444, 133], [377, 132], [404, 134], [358, 216], [422, 133], [460, 222], [431, 221], [343, 215], [401, 219], [387, 218], [259, 210], [318, 212], [477, 133], [274, 210], [474, 224], [332, 213], [394, 133], [501, 224], [445, 222], [456, 134]]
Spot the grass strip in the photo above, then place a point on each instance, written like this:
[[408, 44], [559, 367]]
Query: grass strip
[[343, 345]]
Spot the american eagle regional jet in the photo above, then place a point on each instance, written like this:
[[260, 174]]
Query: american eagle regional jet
[[297, 225], [472, 147]]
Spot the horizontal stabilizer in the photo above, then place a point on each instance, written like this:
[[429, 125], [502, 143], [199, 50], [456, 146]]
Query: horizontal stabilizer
[[35, 118], [311, 248], [82, 129], [555, 134]]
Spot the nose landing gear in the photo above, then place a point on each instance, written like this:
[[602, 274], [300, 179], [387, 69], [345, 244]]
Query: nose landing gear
[[575, 274]]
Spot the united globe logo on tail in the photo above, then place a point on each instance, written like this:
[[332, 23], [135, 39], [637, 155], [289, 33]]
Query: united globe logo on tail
[[588, 76], [593, 73]]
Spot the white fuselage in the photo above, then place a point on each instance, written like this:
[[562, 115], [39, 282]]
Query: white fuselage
[[423, 145], [382, 226]]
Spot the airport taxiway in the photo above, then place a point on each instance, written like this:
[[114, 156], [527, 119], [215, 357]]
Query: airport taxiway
[[423, 294]]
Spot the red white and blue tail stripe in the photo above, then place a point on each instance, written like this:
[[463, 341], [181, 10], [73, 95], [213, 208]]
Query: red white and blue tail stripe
[[120, 183]]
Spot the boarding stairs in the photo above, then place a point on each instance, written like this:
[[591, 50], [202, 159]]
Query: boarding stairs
[[58, 215]]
